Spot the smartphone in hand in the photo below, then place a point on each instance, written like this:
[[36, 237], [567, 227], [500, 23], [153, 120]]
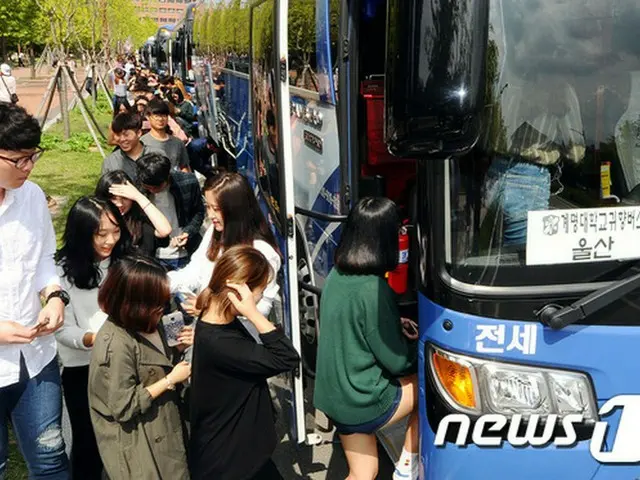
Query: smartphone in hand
[[173, 325], [180, 298]]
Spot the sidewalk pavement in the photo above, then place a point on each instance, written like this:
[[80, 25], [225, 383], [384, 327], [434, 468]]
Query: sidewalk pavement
[[31, 91]]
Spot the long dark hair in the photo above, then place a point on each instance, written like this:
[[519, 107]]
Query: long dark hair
[[369, 242], [77, 256], [134, 217], [241, 214]]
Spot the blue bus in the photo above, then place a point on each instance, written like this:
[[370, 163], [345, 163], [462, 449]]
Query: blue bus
[[180, 46], [508, 133], [162, 55]]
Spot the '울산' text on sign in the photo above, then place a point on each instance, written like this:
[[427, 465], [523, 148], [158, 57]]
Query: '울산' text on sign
[[583, 235]]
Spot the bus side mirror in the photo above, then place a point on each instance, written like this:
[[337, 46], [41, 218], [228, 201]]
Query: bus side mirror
[[435, 76]]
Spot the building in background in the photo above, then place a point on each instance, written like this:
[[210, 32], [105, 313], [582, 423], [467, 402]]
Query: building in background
[[163, 12]]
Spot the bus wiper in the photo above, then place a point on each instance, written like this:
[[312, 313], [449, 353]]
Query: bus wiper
[[558, 317]]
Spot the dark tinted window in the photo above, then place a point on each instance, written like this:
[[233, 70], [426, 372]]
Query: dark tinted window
[[562, 133]]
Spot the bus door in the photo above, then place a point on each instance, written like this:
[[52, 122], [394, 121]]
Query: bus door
[[269, 90]]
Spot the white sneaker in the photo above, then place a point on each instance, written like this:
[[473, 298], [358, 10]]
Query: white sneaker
[[406, 472]]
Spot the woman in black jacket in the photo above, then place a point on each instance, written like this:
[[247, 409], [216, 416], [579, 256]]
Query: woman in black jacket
[[232, 425]]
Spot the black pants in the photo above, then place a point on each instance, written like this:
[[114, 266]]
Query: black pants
[[268, 472], [85, 459]]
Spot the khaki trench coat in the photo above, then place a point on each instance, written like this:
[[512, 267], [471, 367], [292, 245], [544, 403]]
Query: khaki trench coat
[[138, 438]]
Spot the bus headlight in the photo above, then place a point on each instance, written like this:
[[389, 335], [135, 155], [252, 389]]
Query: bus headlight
[[477, 386]]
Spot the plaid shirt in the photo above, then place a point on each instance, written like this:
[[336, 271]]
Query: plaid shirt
[[189, 205]]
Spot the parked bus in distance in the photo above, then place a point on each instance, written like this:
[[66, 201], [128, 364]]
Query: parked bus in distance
[[162, 49], [180, 44], [507, 133]]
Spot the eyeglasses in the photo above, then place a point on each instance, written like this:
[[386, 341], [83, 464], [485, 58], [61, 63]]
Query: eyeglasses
[[22, 162]]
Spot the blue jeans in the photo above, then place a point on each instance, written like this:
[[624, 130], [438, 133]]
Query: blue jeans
[[35, 409], [512, 189], [173, 263]]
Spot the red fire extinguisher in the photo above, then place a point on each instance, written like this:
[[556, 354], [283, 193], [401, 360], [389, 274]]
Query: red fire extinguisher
[[398, 278]]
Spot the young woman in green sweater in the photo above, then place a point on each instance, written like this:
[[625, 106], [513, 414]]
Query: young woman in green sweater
[[365, 363]]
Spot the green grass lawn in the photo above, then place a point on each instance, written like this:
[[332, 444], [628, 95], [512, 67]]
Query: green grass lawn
[[67, 171], [17, 470]]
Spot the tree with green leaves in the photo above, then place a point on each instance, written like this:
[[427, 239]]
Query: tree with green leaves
[[302, 41], [22, 26]]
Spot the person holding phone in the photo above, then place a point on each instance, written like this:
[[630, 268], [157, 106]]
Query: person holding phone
[[31, 305], [148, 226], [95, 237], [233, 432], [134, 382], [365, 376], [236, 219]]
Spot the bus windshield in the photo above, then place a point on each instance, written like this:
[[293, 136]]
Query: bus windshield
[[555, 177]]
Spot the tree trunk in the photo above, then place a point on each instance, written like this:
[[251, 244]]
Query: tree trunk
[[64, 105], [32, 62], [94, 85], [4, 49]]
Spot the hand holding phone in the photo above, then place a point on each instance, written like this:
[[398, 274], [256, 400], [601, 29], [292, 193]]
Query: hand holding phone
[[187, 304], [173, 325]]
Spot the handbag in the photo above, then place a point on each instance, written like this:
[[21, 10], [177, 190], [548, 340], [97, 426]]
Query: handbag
[[14, 97]]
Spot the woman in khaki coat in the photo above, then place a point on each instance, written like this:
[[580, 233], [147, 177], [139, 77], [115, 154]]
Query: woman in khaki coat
[[132, 383]]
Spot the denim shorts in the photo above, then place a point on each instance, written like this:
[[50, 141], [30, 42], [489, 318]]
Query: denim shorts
[[372, 425]]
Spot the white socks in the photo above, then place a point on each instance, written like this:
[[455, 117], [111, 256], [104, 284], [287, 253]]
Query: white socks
[[407, 466]]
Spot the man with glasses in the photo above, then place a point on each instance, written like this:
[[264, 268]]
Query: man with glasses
[[160, 140], [30, 394]]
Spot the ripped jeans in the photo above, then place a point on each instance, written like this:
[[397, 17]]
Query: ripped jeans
[[34, 406], [512, 189]]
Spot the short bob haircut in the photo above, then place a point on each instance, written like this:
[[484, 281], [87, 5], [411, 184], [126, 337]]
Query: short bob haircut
[[135, 293], [369, 242]]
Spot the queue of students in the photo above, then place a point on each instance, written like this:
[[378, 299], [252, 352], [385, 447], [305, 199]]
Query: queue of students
[[105, 301], [168, 117], [106, 304]]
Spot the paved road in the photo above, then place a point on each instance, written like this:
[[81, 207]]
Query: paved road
[[325, 461], [31, 91], [322, 462]]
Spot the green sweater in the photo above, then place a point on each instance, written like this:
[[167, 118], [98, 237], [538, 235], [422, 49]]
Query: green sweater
[[361, 349]]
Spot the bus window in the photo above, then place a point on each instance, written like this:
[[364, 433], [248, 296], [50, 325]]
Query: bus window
[[302, 45], [561, 136], [305, 69], [265, 114]]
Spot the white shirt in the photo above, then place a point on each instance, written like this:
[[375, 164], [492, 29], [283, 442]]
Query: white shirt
[[27, 247], [81, 316], [5, 95], [196, 275]]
